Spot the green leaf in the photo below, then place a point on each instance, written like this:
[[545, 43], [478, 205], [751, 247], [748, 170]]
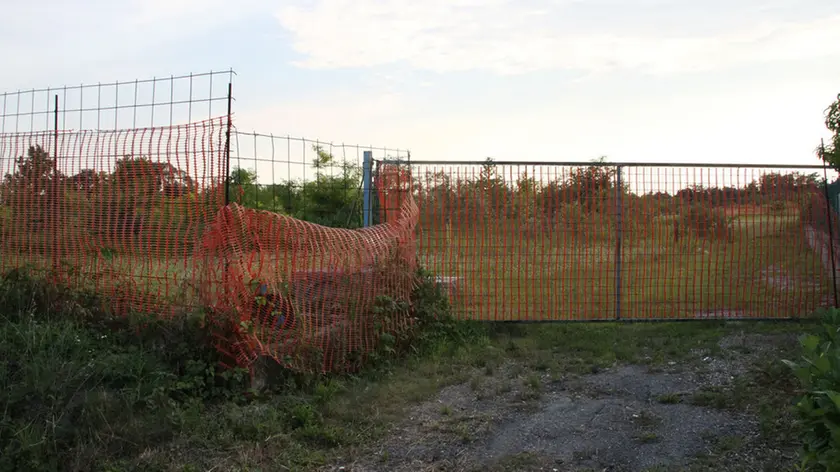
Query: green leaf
[[822, 364], [834, 396], [810, 343]]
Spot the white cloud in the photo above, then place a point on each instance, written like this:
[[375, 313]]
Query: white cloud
[[514, 36]]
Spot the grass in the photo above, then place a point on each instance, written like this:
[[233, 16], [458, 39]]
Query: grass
[[561, 273], [556, 274]]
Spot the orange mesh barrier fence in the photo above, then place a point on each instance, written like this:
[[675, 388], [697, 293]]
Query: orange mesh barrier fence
[[305, 295], [138, 217], [601, 242], [115, 212]]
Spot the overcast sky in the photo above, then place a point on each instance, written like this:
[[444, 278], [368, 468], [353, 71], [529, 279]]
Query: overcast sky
[[634, 80]]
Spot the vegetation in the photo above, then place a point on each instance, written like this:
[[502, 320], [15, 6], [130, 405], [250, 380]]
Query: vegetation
[[332, 198], [82, 390], [830, 152], [706, 222], [98, 393], [583, 201], [819, 408]]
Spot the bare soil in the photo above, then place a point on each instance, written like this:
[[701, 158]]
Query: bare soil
[[696, 414]]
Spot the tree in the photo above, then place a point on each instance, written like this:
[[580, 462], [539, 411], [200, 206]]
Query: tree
[[593, 185], [830, 153], [242, 177], [332, 199], [142, 177], [34, 188], [88, 180], [35, 172], [244, 188]]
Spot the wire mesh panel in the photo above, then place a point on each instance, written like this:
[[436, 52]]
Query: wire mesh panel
[[316, 181], [595, 241], [138, 103]]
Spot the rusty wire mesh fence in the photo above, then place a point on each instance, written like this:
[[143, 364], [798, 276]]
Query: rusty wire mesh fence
[[138, 217], [597, 241], [108, 185], [302, 273]]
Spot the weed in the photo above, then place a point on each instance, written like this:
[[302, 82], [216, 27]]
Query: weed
[[533, 382], [819, 407], [669, 398], [648, 437], [475, 384]]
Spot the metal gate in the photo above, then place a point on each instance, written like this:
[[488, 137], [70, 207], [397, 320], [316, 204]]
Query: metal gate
[[536, 241]]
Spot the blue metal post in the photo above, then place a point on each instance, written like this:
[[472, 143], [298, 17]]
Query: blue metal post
[[367, 177]]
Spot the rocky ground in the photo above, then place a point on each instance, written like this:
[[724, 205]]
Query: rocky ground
[[718, 408]]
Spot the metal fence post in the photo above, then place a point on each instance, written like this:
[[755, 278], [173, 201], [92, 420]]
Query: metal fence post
[[227, 143], [828, 215], [618, 208], [367, 177], [54, 190]]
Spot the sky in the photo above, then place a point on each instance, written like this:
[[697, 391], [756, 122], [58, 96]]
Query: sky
[[742, 81]]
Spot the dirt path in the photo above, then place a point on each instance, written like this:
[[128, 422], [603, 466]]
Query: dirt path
[[703, 413]]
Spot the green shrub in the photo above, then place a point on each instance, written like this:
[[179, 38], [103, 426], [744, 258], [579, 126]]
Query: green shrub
[[77, 385], [706, 222], [819, 407], [815, 211], [778, 207]]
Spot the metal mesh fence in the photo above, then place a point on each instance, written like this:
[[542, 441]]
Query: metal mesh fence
[[316, 181], [595, 241], [139, 103]]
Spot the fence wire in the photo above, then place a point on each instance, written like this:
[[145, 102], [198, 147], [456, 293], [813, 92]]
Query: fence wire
[[138, 217], [605, 242], [115, 212], [138, 103], [316, 181]]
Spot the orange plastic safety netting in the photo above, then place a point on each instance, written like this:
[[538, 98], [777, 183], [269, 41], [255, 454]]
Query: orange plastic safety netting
[[303, 294], [114, 212]]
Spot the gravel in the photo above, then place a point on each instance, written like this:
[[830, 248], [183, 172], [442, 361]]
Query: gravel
[[626, 418]]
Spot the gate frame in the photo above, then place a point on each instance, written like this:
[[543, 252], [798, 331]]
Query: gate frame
[[372, 165]]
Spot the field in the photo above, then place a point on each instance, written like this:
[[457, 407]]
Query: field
[[505, 273]]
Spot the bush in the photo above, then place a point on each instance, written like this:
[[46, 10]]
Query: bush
[[77, 385], [393, 328], [706, 222], [819, 407], [778, 207], [815, 211]]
